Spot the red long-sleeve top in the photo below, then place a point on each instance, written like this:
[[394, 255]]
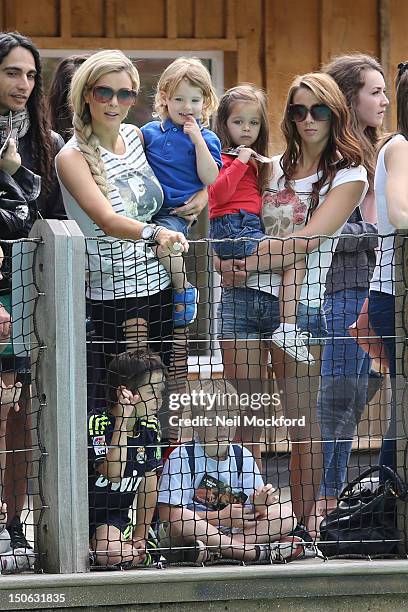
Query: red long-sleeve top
[[235, 189]]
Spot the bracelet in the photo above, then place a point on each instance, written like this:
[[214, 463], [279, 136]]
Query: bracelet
[[157, 231]]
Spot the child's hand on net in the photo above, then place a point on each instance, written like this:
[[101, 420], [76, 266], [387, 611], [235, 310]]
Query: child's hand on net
[[237, 515], [126, 403], [192, 129], [139, 548], [264, 496]]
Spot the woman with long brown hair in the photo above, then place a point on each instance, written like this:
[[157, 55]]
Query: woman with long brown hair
[[391, 193], [345, 366], [315, 186]]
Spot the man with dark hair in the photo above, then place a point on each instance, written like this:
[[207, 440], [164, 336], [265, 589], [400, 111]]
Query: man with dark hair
[[26, 169]]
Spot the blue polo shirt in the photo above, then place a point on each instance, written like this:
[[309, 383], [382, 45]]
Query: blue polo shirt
[[171, 155]]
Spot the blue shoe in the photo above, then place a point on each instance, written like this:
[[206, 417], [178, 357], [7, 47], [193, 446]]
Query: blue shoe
[[188, 299]]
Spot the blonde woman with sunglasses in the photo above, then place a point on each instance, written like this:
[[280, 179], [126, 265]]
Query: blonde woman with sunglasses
[[315, 186], [112, 193]]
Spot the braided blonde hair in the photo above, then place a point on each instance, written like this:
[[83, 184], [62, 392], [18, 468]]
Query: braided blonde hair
[[95, 67]]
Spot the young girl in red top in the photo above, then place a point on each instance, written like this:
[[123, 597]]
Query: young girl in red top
[[235, 201]]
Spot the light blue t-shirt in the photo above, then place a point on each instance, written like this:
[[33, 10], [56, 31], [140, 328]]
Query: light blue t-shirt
[[172, 156], [177, 487]]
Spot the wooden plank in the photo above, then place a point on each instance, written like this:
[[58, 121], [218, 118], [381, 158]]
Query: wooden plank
[[152, 44], [349, 26], [87, 19], [110, 18], [209, 19], [140, 18], [10, 15], [250, 27], [185, 18], [2, 15], [291, 47], [231, 25], [171, 18], [38, 18], [242, 60], [60, 272], [65, 18]]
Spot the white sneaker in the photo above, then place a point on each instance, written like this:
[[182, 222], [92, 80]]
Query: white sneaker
[[294, 343], [11, 562], [287, 549], [4, 540]]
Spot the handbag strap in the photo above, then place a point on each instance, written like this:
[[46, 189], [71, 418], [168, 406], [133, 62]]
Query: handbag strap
[[400, 489]]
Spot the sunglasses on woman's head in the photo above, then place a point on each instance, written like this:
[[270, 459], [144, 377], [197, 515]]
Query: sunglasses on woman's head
[[299, 112], [103, 94]]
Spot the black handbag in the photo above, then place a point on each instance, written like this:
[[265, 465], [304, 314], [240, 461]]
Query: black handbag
[[364, 522]]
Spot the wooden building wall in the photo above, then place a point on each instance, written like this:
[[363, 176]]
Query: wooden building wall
[[265, 42]]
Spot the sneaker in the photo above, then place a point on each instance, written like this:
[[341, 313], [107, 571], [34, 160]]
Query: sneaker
[[287, 549], [4, 540], [293, 342], [12, 562], [153, 555], [18, 541], [196, 554], [309, 548], [189, 299]]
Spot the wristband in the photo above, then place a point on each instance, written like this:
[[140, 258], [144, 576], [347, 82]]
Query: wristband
[[157, 231]]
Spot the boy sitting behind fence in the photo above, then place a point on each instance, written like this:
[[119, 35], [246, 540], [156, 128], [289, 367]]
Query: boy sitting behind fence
[[124, 454], [212, 497]]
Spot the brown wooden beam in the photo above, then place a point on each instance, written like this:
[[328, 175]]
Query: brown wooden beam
[[110, 18], [154, 44], [231, 25], [171, 18], [65, 18]]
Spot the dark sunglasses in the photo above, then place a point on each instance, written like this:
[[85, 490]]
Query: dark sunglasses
[[319, 112], [103, 94]]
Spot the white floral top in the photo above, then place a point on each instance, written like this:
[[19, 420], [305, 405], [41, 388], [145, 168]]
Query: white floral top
[[284, 211]]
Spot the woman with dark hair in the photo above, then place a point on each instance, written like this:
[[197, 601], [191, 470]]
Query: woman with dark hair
[[60, 111], [315, 186], [345, 366], [391, 193]]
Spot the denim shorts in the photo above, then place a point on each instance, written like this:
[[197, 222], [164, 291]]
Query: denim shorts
[[237, 226], [171, 222], [247, 313], [312, 319]]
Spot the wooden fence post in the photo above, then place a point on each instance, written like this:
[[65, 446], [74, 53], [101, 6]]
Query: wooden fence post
[[59, 364]]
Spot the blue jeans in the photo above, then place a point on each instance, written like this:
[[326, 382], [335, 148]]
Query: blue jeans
[[343, 387], [246, 313], [381, 312], [311, 319], [237, 226]]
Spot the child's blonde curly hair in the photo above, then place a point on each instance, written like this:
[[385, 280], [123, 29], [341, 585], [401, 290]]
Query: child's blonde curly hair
[[192, 70]]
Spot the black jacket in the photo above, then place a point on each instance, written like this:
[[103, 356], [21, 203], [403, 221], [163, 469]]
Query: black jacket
[[21, 202], [51, 205]]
